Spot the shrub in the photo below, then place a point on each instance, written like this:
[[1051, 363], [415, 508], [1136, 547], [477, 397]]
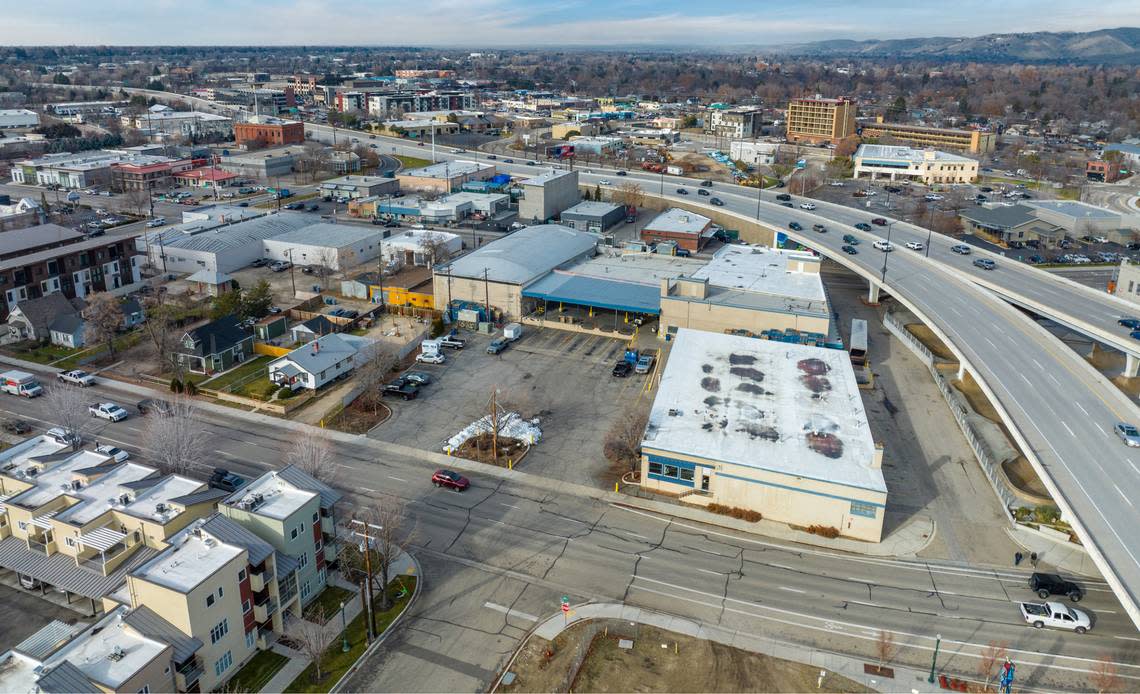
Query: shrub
[[743, 514], [175, 385], [285, 392], [437, 326], [824, 531], [191, 388]]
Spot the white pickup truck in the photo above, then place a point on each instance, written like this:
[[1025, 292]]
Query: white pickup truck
[[107, 410], [76, 377], [1056, 615]]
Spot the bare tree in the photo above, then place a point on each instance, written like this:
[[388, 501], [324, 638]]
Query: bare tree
[[622, 444], [313, 638], [68, 406], [159, 326], [373, 364], [325, 260], [138, 200], [629, 194], [991, 655], [1104, 676], [389, 536], [312, 453], [885, 646], [434, 246], [102, 319], [178, 442]]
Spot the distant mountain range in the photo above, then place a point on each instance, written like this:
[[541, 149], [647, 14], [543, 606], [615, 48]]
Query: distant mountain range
[[1120, 46]]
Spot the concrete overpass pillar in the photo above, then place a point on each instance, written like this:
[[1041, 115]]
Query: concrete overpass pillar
[[1131, 366], [873, 294], [961, 371]]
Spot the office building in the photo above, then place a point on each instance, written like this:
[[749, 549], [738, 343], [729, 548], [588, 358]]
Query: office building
[[688, 230], [547, 195], [266, 131], [972, 141], [734, 123], [925, 166], [818, 120]]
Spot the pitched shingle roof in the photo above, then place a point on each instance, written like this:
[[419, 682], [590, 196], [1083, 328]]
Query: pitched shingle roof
[[215, 337]]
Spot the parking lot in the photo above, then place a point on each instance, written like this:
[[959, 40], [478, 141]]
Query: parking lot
[[563, 378]]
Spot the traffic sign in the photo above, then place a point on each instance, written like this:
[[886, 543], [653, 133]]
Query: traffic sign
[[565, 603]]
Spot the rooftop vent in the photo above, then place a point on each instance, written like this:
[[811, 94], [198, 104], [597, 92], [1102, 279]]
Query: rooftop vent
[[117, 653]]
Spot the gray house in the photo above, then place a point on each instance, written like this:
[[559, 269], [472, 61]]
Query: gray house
[[32, 319], [214, 346]]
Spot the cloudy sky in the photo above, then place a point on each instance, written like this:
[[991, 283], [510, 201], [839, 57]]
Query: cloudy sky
[[508, 23]]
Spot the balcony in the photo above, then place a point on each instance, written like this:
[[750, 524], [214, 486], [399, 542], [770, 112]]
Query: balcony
[[259, 580], [187, 674], [47, 547], [263, 610]]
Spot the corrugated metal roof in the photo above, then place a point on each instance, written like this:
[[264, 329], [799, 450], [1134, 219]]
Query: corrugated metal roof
[[47, 640], [60, 570], [221, 238], [597, 292], [299, 478], [525, 255], [286, 564], [66, 678], [151, 625], [210, 494], [230, 532]]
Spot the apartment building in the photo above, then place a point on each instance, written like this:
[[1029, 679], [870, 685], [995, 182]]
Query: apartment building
[[82, 170], [29, 268], [293, 512], [148, 177], [267, 131], [972, 141], [735, 123], [392, 104], [922, 165], [818, 120], [78, 521]]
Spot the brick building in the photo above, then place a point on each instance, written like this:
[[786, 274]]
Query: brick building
[[820, 120], [266, 131]]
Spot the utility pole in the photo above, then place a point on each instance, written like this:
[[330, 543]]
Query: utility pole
[[487, 293], [494, 426], [292, 276], [364, 533]]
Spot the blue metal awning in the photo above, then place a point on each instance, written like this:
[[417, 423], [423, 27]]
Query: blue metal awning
[[597, 292]]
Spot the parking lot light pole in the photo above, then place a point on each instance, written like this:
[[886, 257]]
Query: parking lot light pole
[[934, 659]]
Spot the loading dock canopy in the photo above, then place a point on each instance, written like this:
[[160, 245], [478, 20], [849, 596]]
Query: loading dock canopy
[[597, 292]]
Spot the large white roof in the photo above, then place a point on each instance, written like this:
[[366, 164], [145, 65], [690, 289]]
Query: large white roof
[[109, 655], [272, 497], [192, 557], [525, 255], [765, 270], [677, 221], [774, 406]]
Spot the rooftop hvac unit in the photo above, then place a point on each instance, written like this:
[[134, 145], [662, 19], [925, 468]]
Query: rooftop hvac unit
[[160, 508], [125, 499]]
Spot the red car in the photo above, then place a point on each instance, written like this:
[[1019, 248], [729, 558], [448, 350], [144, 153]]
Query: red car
[[879, 221], [447, 478]]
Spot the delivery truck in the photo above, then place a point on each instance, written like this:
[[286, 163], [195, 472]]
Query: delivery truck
[[20, 383]]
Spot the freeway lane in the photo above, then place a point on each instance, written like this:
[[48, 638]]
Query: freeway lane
[[592, 549]]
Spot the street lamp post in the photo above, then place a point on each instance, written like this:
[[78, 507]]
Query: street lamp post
[[934, 660], [344, 647], [293, 277], [887, 252]]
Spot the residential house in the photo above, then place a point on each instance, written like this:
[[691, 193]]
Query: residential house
[[215, 346], [34, 319], [312, 329], [317, 363]]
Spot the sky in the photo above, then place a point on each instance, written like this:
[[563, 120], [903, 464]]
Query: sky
[[536, 23]]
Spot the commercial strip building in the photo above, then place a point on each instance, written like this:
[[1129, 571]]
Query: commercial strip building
[[922, 165], [819, 120], [1105, 171], [596, 217], [547, 195], [183, 123], [354, 187], [18, 118], [334, 246], [1049, 221], [765, 426], [149, 177], [688, 230], [972, 141], [83, 170], [85, 108], [262, 164], [444, 177], [267, 131], [449, 208]]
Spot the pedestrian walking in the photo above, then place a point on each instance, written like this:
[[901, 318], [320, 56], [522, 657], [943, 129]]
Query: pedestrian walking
[[1017, 557], [1033, 559]]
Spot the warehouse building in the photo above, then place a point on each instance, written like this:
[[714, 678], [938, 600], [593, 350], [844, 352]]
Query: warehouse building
[[495, 275], [18, 118], [688, 230], [353, 187], [925, 166], [445, 176], [449, 208], [750, 290], [334, 246], [216, 245], [593, 216], [547, 195], [765, 426]]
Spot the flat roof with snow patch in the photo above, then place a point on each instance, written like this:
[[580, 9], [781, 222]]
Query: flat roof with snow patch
[[328, 235], [677, 221], [448, 169], [191, 559], [773, 406], [765, 270]]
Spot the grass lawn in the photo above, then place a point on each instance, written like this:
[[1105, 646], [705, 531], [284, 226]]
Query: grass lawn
[[244, 371], [257, 672], [412, 162], [41, 354], [336, 663], [330, 599]]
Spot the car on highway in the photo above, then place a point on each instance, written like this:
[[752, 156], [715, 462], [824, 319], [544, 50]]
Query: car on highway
[[450, 479], [702, 191], [850, 238], [1130, 323], [431, 358], [706, 183], [783, 197], [225, 480], [117, 454], [985, 263], [883, 245], [1055, 615], [507, 161], [863, 226], [156, 222], [682, 191], [849, 250], [622, 173], [819, 228], [497, 345], [795, 226], [961, 249], [717, 202], [604, 182], [107, 410], [879, 221], [622, 369], [1128, 433], [915, 245], [532, 163], [76, 377], [1046, 585], [807, 205]]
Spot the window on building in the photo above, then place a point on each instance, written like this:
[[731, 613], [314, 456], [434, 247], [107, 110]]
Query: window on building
[[859, 508], [315, 516], [318, 545], [220, 630], [246, 606], [655, 468], [306, 589], [670, 471], [210, 600], [250, 638], [222, 664], [304, 559], [293, 534], [145, 689], [241, 575]]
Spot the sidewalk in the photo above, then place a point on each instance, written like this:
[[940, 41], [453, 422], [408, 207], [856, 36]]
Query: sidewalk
[[905, 680], [1063, 556]]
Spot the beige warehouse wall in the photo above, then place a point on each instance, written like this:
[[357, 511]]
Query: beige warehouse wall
[[719, 319]]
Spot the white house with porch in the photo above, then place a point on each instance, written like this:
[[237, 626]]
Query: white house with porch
[[319, 362]]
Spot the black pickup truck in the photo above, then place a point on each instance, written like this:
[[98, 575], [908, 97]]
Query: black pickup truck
[[402, 388], [1052, 584]]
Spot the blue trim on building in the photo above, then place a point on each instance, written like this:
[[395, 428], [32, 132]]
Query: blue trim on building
[[801, 490], [673, 461], [786, 473], [670, 480]]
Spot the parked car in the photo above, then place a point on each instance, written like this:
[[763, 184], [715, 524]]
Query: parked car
[[985, 263], [961, 249], [850, 238], [280, 265], [879, 221], [452, 342], [863, 226], [225, 480], [76, 377], [61, 435], [915, 245], [1052, 584], [644, 364], [807, 205], [450, 479], [795, 226], [16, 426], [497, 345], [849, 250], [400, 387], [622, 369], [162, 408], [430, 358], [107, 410], [1035, 259], [1128, 433], [682, 252], [420, 378], [117, 454]]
